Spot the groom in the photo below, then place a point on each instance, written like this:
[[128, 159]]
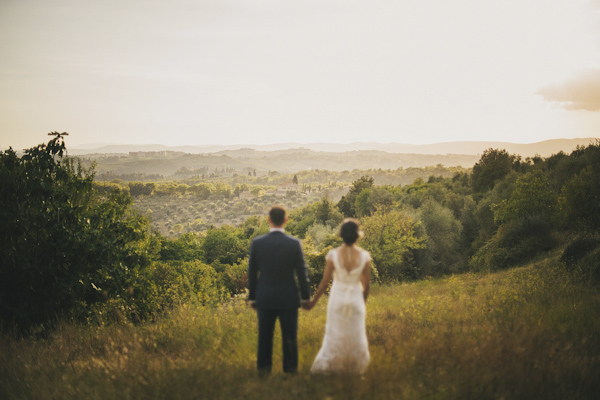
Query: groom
[[276, 259]]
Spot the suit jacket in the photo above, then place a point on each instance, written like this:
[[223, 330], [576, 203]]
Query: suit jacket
[[276, 259]]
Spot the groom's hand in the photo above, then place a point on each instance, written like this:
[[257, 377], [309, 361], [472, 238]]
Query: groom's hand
[[306, 305]]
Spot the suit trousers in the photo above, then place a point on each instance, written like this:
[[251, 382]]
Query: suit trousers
[[288, 322]]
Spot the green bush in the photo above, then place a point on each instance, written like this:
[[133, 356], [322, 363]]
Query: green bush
[[178, 282], [390, 238], [582, 254], [235, 278], [514, 243], [64, 247], [315, 262]]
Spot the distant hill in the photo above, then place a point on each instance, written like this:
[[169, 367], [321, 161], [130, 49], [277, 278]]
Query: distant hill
[[242, 161], [544, 148]]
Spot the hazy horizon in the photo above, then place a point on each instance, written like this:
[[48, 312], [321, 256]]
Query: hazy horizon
[[225, 72], [93, 145]]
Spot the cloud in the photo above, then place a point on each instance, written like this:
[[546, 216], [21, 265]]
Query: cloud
[[582, 92]]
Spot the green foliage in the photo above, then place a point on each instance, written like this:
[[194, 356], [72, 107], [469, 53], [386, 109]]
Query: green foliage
[[531, 197], [327, 214], [347, 204], [315, 262], [582, 255], [321, 236], [64, 247], [580, 200], [181, 282], [223, 246], [141, 189], [252, 227], [300, 219], [514, 243], [493, 165], [223, 190], [443, 232], [187, 247], [369, 199], [202, 190], [74, 247], [390, 238], [235, 278]]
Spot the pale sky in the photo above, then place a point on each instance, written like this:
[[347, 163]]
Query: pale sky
[[202, 72]]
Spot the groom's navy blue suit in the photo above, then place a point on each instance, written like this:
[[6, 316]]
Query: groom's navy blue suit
[[276, 260]]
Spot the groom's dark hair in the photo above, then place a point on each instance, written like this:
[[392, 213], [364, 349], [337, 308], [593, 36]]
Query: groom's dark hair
[[277, 215]]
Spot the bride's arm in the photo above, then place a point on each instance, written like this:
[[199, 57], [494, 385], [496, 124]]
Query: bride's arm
[[366, 280], [327, 274]]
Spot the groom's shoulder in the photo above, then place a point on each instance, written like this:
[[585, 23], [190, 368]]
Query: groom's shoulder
[[293, 239], [260, 238], [277, 237]]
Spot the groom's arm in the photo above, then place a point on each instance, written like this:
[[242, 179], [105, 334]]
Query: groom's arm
[[252, 275], [302, 274]]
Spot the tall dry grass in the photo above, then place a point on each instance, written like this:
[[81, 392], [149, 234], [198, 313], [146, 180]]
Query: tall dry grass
[[527, 333]]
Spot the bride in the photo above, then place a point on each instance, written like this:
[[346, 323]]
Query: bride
[[345, 347]]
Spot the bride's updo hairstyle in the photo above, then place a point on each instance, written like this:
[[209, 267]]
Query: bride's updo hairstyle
[[350, 231]]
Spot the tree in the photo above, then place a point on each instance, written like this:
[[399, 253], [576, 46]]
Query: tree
[[257, 191], [65, 248], [319, 236], [371, 198], [347, 203], [327, 214], [223, 246], [295, 179], [362, 204], [140, 189], [202, 190], [531, 197], [493, 165], [443, 234], [390, 237], [580, 201], [222, 189], [187, 247]]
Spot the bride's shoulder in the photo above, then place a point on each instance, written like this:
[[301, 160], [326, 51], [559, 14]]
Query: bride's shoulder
[[364, 253], [331, 254]]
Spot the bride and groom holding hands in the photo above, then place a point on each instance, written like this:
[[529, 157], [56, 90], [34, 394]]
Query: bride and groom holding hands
[[276, 263]]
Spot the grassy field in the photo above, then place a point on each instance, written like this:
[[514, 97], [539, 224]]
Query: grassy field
[[527, 333]]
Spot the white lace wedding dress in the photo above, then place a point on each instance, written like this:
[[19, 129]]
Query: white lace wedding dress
[[345, 348]]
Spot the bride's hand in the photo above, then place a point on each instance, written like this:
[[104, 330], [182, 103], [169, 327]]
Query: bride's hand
[[310, 304]]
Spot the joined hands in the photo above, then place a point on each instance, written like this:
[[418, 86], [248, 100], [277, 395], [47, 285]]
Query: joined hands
[[308, 305]]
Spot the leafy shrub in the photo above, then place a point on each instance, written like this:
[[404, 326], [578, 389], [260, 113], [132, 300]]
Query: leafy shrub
[[235, 278], [315, 262], [580, 200], [514, 243], [223, 246], [321, 236], [443, 233], [64, 248], [390, 238], [177, 282], [583, 255]]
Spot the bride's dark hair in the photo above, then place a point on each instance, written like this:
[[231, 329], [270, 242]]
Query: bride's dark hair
[[350, 230]]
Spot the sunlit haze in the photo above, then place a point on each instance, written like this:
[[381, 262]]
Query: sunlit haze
[[271, 71]]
